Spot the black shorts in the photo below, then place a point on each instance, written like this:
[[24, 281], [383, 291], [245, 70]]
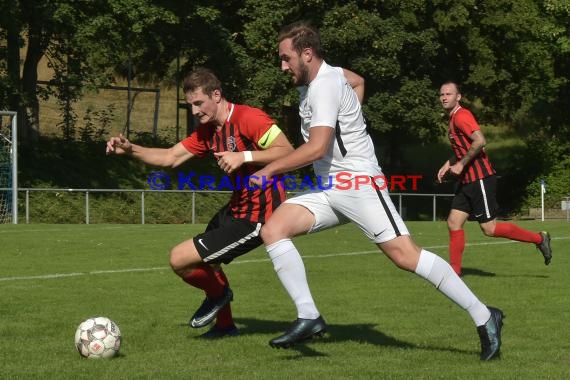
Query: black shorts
[[226, 238], [478, 199]]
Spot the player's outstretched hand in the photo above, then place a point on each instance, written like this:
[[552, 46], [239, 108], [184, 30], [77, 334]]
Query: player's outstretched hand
[[118, 145]]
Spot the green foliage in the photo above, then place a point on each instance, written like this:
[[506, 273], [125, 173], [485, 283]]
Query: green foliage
[[557, 181], [126, 207], [57, 164], [511, 56], [96, 124], [123, 32]]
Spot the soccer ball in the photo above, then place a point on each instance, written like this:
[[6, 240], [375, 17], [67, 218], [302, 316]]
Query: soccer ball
[[98, 337]]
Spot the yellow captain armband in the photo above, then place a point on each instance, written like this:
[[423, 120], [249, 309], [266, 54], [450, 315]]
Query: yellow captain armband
[[269, 136]]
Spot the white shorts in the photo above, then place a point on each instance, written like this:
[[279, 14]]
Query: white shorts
[[369, 208]]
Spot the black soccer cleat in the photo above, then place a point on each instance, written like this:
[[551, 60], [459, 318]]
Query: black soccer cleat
[[210, 307], [220, 332], [490, 335], [300, 331], [545, 248]]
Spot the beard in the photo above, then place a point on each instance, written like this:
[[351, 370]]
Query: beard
[[302, 79]]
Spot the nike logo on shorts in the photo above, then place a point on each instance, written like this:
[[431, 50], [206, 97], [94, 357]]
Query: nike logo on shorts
[[202, 244]]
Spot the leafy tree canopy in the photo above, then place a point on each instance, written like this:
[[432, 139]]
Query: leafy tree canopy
[[511, 57]]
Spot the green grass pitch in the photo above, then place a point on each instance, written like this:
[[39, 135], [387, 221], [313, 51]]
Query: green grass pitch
[[384, 323]]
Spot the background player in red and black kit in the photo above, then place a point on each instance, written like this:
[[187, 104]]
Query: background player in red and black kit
[[240, 138], [476, 194]]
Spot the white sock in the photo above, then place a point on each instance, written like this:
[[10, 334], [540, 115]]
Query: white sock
[[437, 271], [290, 269]]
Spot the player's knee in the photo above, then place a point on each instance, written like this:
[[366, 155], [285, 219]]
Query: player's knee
[[269, 233], [452, 225], [177, 261], [265, 234], [488, 230], [403, 259], [406, 262]]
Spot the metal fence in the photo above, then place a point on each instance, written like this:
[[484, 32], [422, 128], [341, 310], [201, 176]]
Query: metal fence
[[85, 206], [565, 206]]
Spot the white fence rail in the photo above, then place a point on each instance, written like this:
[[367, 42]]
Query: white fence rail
[[402, 205]]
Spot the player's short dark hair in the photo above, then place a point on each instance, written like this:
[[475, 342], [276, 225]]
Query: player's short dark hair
[[453, 83], [303, 35], [204, 78]]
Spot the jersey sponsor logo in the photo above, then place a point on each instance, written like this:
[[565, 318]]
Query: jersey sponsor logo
[[231, 143]]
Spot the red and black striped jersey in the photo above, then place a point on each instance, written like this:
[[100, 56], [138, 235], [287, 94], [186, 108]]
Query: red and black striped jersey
[[241, 132], [462, 124]]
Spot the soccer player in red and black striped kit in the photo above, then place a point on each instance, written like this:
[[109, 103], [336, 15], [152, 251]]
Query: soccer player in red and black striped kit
[[476, 194], [241, 138]]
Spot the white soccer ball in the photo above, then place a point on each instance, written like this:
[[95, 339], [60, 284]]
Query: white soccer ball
[[98, 337]]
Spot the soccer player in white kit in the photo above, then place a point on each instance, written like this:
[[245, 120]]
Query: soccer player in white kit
[[340, 149]]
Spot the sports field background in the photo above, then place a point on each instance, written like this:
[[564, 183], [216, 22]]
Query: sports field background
[[384, 323]]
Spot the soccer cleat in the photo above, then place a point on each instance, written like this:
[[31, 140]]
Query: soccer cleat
[[490, 335], [220, 332], [544, 247], [299, 331], [210, 307]]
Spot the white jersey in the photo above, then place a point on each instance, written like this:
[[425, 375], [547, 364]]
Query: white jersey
[[330, 101]]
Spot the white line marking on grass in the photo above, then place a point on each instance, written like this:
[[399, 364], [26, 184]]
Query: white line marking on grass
[[127, 270], [43, 277], [130, 270], [62, 275]]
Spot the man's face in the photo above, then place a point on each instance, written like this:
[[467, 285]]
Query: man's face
[[292, 63], [449, 97], [204, 107]]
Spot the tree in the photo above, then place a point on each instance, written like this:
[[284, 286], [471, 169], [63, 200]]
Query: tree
[[370, 38], [84, 42], [511, 56]]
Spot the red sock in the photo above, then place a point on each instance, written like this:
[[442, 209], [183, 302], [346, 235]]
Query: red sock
[[456, 248], [204, 277], [224, 317], [212, 281], [514, 232], [221, 276]]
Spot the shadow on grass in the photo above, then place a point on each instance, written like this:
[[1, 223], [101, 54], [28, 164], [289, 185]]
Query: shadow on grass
[[476, 272], [482, 273], [359, 333]]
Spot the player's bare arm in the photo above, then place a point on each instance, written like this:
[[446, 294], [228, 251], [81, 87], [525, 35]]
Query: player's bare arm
[[314, 149], [163, 157], [356, 82], [477, 144]]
